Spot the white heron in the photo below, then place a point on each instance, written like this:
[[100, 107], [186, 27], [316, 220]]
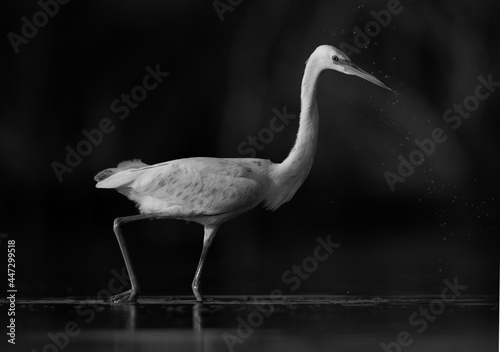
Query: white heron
[[210, 191]]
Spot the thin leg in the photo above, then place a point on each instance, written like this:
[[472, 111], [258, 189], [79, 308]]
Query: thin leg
[[130, 295], [210, 232]]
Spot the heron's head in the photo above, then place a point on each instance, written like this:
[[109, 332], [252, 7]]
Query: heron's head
[[335, 59]]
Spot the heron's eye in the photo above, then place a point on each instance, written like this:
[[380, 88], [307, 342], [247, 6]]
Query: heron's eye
[[335, 58]]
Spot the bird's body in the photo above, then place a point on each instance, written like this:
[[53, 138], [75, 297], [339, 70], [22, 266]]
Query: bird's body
[[203, 190], [211, 191]]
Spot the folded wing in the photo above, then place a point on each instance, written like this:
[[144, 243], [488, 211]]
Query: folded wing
[[195, 186]]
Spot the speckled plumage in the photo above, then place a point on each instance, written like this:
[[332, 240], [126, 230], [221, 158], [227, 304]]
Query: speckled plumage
[[193, 187]]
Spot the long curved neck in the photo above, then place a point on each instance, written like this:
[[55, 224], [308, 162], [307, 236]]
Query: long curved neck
[[291, 173], [301, 157]]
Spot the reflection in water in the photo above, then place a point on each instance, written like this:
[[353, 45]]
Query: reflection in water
[[296, 324], [197, 318], [197, 327], [128, 314]]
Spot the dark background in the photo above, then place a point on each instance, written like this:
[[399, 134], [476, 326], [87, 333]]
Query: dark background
[[226, 77]]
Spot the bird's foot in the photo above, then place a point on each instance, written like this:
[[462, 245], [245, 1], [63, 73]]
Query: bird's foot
[[198, 296], [129, 296], [197, 292]]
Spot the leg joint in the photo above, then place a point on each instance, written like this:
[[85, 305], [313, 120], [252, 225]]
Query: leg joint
[[117, 222]]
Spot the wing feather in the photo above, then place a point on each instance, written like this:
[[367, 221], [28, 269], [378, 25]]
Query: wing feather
[[197, 186]]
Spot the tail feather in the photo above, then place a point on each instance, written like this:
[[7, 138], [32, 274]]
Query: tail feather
[[104, 174], [131, 164], [124, 165]]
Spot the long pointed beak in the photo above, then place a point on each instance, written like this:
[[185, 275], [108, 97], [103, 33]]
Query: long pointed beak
[[352, 69]]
